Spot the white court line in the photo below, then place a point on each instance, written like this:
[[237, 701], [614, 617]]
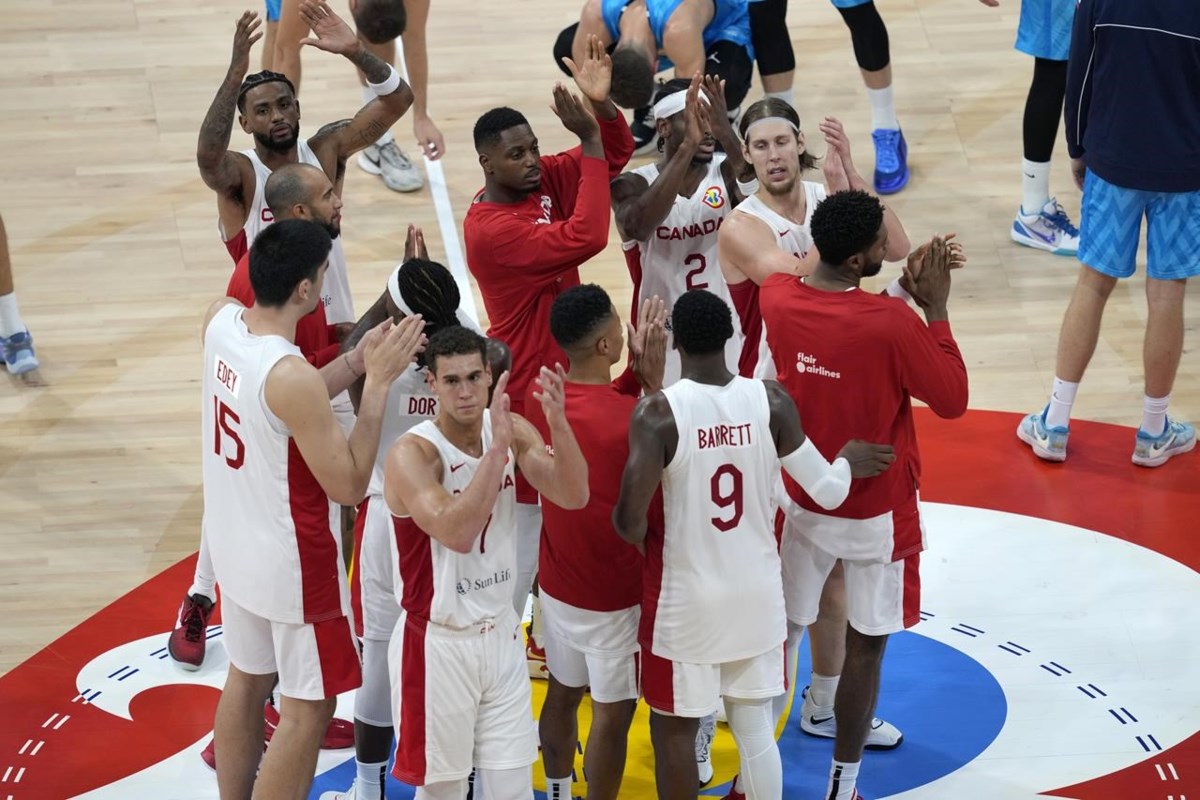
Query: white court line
[[37, 747], [62, 722], [28, 742], [447, 225], [53, 716], [1174, 774], [20, 773]]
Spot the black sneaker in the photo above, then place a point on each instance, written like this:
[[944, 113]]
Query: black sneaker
[[645, 137]]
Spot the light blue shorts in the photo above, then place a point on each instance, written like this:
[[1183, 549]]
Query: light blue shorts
[[1045, 28], [849, 3], [273, 7], [1112, 223]]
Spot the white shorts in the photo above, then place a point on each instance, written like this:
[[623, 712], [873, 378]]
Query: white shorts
[[461, 700], [374, 576], [592, 648], [529, 542], [881, 598], [695, 690], [315, 661]]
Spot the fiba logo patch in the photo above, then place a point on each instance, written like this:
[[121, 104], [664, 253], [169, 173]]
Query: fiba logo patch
[[713, 197], [463, 586]]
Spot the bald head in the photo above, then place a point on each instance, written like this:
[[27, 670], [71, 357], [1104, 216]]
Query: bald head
[[303, 191]]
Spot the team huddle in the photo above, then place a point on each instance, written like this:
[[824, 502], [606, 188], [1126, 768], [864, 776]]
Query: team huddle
[[751, 473]]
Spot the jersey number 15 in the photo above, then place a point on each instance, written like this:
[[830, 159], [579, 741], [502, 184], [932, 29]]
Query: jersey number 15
[[225, 419]]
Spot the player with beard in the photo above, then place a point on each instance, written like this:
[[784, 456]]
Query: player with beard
[[668, 212], [852, 361], [268, 110]]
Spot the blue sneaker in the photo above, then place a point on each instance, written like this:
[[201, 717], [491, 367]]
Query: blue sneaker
[[1154, 451], [18, 353], [1048, 444], [891, 160], [1048, 229]]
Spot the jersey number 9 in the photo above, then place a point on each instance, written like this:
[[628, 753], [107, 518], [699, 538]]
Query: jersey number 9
[[727, 499]]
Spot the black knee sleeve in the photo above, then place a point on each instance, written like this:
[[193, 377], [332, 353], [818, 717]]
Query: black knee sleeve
[[562, 47], [732, 63], [1044, 108], [869, 36], [769, 34]]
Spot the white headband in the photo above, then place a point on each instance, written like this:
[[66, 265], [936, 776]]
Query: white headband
[[673, 103], [394, 290], [785, 120]]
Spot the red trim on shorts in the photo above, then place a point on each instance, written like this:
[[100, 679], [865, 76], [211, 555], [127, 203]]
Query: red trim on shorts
[[416, 571], [355, 576], [780, 521], [652, 572], [237, 245], [341, 665], [912, 590], [658, 682], [316, 545], [744, 295]]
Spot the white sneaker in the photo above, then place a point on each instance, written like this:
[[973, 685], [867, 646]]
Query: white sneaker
[[704, 737], [1048, 229], [398, 172], [349, 794], [816, 721]]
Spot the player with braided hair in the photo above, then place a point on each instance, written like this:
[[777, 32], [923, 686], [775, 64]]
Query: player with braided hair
[[422, 287]]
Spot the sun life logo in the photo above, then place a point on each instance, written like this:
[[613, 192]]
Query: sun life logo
[[713, 197]]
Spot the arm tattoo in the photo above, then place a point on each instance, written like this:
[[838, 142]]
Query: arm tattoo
[[374, 68], [218, 125], [370, 134]]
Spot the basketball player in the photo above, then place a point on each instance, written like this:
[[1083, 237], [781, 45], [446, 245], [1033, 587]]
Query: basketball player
[[710, 36], [590, 581], [1044, 32], [19, 357], [1131, 119], [768, 231], [379, 22], [272, 453], [713, 622], [869, 35], [853, 361], [460, 685], [426, 288], [268, 109], [668, 213], [526, 233]]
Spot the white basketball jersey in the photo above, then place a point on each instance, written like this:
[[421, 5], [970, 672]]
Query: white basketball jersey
[[681, 254], [720, 593], [792, 238], [335, 294], [459, 590], [266, 519]]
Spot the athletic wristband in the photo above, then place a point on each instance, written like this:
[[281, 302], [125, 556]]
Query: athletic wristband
[[894, 289], [748, 188], [388, 86], [827, 484]]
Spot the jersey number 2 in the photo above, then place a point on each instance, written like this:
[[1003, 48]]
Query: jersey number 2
[[702, 264], [225, 419], [727, 499]]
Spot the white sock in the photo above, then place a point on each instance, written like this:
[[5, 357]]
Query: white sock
[[1062, 397], [787, 95], [369, 780], [1035, 186], [883, 109], [842, 778], [368, 94], [558, 788], [10, 316], [823, 689], [1154, 414]]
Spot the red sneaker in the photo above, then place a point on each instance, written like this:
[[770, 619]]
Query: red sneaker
[[338, 736], [535, 657], [734, 794], [187, 641], [209, 754]]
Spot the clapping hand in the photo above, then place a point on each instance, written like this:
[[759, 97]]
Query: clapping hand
[[574, 114], [648, 344], [594, 75]]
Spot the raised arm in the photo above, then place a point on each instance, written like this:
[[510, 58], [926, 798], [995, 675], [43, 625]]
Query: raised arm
[[296, 394], [748, 250], [413, 482], [716, 119], [593, 76], [228, 174], [931, 364], [561, 478], [839, 162], [336, 142], [653, 438]]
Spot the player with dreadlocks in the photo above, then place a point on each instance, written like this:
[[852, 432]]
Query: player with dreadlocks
[[424, 287]]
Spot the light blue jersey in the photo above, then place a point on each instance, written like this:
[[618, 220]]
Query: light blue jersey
[[1045, 28], [730, 22]]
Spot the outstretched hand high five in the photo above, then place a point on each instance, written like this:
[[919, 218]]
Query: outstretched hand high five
[[244, 37], [332, 33], [502, 424], [575, 115], [594, 75]]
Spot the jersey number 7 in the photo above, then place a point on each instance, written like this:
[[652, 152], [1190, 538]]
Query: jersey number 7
[[225, 418]]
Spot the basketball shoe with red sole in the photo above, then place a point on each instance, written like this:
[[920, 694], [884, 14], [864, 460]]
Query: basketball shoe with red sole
[[186, 643], [535, 657], [338, 735]]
